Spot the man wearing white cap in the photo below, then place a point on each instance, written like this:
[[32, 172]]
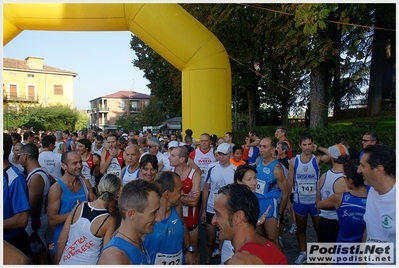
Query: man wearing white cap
[[153, 145], [217, 175], [171, 146], [333, 181]]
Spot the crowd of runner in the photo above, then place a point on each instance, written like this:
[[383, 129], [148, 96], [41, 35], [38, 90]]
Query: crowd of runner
[[87, 197]]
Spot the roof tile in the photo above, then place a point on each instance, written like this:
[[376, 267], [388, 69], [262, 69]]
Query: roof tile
[[127, 94], [21, 64]]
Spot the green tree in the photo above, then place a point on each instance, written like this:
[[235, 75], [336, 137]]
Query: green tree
[[83, 120], [152, 115], [44, 118], [129, 122], [383, 62], [282, 55], [165, 79]]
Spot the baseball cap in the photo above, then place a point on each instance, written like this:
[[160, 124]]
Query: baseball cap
[[125, 135], [173, 144], [224, 148], [161, 139], [155, 140], [337, 150]]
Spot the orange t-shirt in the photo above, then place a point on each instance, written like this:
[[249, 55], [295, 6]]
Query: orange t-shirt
[[239, 163]]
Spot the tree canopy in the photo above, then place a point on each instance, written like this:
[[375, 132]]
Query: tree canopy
[[284, 55]]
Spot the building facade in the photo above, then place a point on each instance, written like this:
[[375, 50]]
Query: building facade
[[31, 83], [107, 109]]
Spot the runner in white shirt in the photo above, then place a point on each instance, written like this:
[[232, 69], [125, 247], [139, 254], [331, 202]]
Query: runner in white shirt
[[378, 166], [218, 175], [131, 171], [48, 159]]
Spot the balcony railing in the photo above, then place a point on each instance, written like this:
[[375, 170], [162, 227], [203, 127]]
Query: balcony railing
[[103, 109], [20, 97], [135, 110]]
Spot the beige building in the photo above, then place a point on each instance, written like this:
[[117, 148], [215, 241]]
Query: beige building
[[30, 83], [107, 109]]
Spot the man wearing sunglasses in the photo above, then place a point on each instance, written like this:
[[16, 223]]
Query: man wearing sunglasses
[[369, 139], [153, 145], [39, 182]]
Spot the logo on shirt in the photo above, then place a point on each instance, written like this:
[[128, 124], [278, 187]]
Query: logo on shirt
[[174, 221], [305, 168], [347, 197], [386, 221], [266, 170]]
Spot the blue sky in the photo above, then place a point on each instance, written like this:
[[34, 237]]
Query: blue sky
[[102, 60]]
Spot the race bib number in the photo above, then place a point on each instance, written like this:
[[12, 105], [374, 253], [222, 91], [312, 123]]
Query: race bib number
[[115, 169], [260, 187], [86, 172], [185, 211], [169, 259], [307, 188]]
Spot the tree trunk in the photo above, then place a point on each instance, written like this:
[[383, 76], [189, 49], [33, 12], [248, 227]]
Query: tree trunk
[[378, 66], [320, 80], [284, 108], [253, 106], [337, 72], [389, 86]]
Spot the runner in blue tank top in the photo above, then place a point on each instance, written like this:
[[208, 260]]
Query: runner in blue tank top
[[271, 183], [303, 173], [139, 207], [168, 242], [68, 191], [350, 206]]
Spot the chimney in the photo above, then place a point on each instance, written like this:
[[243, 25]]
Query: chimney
[[34, 63]]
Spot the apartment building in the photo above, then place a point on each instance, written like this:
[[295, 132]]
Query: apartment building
[[107, 109], [30, 83]]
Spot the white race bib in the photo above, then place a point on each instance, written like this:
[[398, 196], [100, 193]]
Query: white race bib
[[169, 259], [307, 188], [86, 172], [115, 169], [185, 211], [260, 187]]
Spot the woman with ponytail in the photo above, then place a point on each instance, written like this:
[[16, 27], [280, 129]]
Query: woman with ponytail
[[89, 226]]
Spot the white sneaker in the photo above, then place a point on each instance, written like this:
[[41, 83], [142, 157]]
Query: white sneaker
[[293, 229], [216, 253], [280, 240], [301, 258]]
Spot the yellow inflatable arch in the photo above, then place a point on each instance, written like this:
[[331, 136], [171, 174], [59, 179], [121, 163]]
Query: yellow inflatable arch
[[168, 29]]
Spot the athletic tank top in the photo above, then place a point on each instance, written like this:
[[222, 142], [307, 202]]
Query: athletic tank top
[[253, 154], [267, 185], [128, 176], [68, 201], [116, 165], [306, 176], [202, 160], [165, 243], [190, 213], [350, 218], [58, 146], [326, 190], [87, 170], [134, 254], [82, 246], [267, 252], [97, 151], [38, 222]]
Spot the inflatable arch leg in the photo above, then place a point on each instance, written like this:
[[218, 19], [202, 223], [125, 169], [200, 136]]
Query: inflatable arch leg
[[168, 29]]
